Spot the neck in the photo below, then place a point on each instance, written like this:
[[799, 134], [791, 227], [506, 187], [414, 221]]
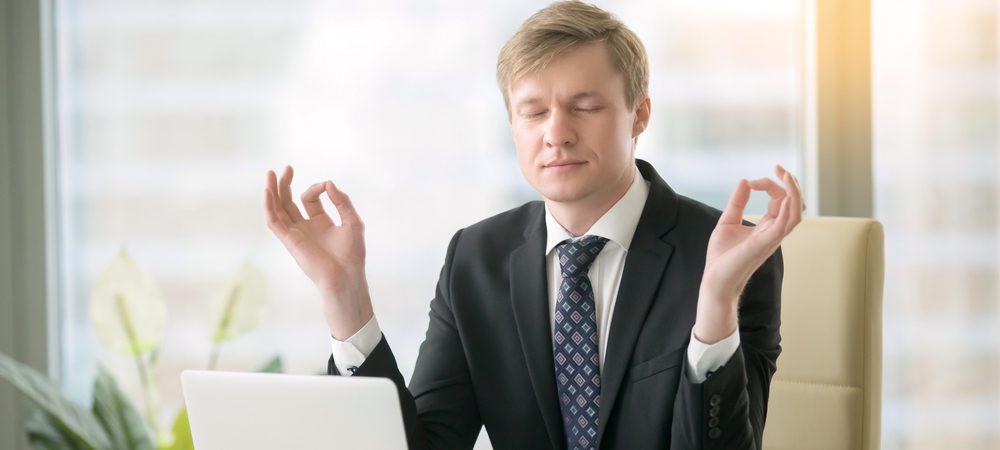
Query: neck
[[578, 216]]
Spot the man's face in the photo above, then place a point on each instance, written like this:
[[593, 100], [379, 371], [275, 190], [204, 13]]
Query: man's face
[[573, 130]]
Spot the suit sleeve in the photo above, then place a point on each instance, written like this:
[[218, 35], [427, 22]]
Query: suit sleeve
[[439, 409], [727, 411]]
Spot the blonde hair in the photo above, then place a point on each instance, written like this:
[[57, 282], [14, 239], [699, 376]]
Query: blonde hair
[[562, 26]]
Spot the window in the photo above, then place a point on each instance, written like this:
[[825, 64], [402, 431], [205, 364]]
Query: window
[[935, 121], [170, 112]]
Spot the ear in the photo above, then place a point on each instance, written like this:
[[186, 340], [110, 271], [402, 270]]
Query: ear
[[642, 111]]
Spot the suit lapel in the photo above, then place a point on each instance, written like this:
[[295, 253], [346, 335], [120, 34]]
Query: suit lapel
[[645, 265], [529, 298], [644, 268]]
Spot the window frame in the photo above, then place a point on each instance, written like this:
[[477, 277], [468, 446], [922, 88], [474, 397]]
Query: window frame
[[28, 323], [836, 143], [837, 125]]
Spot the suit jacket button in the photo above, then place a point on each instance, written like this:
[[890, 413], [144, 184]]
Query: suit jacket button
[[714, 401], [713, 422], [714, 433], [714, 412]]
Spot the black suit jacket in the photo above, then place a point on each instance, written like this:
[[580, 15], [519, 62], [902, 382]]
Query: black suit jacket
[[487, 356]]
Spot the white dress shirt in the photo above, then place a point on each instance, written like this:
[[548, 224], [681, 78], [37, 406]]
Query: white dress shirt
[[618, 226]]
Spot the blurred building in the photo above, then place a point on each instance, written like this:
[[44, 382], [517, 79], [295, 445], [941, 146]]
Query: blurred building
[[935, 88], [170, 113]]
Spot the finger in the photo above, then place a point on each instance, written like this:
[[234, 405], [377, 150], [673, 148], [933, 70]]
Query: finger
[[312, 204], [794, 204], [348, 215], [773, 205], [272, 187], [766, 184], [733, 214], [794, 187], [778, 226], [775, 193], [277, 219], [285, 195], [766, 233]]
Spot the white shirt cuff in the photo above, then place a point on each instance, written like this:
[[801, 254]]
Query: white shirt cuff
[[703, 358], [350, 354]]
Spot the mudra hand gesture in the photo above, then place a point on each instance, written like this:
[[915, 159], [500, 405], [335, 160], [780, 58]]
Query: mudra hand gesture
[[736, 251], [332, 256]]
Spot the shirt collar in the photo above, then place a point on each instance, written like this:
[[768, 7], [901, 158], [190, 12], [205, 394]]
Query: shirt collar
[[617, 225]]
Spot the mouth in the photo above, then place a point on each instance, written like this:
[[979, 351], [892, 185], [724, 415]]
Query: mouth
[[563, 164]]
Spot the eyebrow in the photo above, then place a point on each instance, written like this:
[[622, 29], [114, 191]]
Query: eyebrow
[[583, 95]]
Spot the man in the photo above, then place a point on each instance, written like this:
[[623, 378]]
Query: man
[[615, 314]]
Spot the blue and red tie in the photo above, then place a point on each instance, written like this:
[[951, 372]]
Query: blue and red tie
[[574, 343]]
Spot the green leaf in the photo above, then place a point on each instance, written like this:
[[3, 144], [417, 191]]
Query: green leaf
[[272, 366], [127, 308], [239, 307], [116, 414], [182, 432], [44, 433], [75, 421]]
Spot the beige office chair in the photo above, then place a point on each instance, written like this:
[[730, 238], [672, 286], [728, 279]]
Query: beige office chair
[[827, 392]]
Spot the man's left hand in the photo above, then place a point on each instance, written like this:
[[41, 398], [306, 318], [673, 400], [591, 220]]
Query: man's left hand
[[736, 251]]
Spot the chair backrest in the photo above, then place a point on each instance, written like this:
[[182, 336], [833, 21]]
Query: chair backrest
[[827, 392]]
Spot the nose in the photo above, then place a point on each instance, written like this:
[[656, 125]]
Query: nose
[[559, 130]]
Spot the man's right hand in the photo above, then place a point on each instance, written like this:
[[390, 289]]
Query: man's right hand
[[332, 256]]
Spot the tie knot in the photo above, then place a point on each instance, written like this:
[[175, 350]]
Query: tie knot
[[575, 257]]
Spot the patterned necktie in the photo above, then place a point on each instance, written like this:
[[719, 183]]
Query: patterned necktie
[[574, 343]]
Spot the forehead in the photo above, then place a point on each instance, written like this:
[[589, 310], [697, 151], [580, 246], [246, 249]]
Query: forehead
[[584, 69]]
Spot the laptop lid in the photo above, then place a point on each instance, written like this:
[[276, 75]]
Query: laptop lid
[[264, 411]]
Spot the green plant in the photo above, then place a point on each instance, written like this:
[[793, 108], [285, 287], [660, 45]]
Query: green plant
[[56, 422], [112, 422], [128, 314]]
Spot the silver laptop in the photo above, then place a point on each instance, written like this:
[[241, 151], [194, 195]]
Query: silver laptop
[[261, 411]]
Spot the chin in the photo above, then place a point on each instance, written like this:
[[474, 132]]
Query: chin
[[562, 193]]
